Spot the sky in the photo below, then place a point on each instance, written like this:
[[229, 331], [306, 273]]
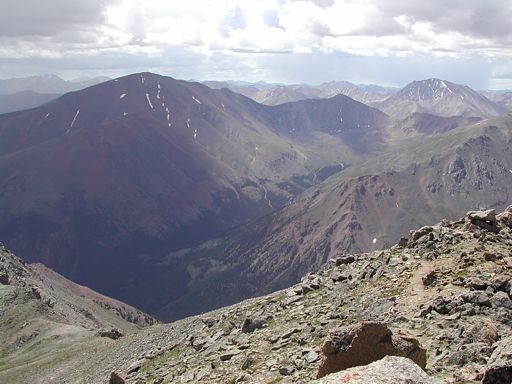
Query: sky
[[387, 42]]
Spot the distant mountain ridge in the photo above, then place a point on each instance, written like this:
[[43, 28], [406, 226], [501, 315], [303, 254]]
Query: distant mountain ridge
[[503, 98], [24, 100], [274, 94], [30, 92], [431, 96], [52, 84]]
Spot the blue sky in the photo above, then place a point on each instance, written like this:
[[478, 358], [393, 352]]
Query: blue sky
[[384, 42]]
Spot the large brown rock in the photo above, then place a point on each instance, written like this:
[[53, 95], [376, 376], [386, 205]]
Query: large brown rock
[[499, 366], [364, 343], [389, 370], [482, 219]]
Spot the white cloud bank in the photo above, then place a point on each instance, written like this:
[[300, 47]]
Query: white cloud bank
[[220, 38]]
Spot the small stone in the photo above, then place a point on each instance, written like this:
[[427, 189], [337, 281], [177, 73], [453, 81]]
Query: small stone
[[337, 276], [210, 321], [273, 339], [429, 278], [250, 325], [306, 288], [36, 292], [242, 378], [248, 362], [289, 333], [311, 357], [297, 289], [286, 370], [229, 354], [488, 256], [290, 300], [477, 284], [4, 277], [402, 243], [344, 260], [136, 366], [315, 284]]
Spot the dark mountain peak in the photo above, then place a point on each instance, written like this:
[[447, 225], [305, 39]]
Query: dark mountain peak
[[164, 101]]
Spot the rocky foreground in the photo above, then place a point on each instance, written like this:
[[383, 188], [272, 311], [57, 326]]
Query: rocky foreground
[[435, 308]]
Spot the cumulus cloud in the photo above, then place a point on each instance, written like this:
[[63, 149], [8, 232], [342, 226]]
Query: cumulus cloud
[[484, 19], [50, 18], [244, 34]]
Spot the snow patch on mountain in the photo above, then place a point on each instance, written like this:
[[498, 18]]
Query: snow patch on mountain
[[74, 118], [149, 102]]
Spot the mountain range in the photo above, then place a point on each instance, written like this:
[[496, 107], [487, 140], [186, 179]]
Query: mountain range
[[274, 94], [47, 84], [179, 198], [200, 197], [120, 174]]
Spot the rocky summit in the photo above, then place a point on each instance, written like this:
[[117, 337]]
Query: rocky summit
[[435, 308]]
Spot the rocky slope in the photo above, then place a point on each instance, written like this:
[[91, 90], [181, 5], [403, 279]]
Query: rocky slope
[[441, 297], [45, 319], [439, 97], [366, 207]]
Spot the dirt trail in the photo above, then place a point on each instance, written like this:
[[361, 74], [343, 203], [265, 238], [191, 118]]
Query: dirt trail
[[416, 293]]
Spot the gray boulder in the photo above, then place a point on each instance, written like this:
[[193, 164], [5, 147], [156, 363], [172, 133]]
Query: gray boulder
[[390, 369]]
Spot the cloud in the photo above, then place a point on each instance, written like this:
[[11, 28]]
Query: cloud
[[50, 18], [241, 35], [482, 19]]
